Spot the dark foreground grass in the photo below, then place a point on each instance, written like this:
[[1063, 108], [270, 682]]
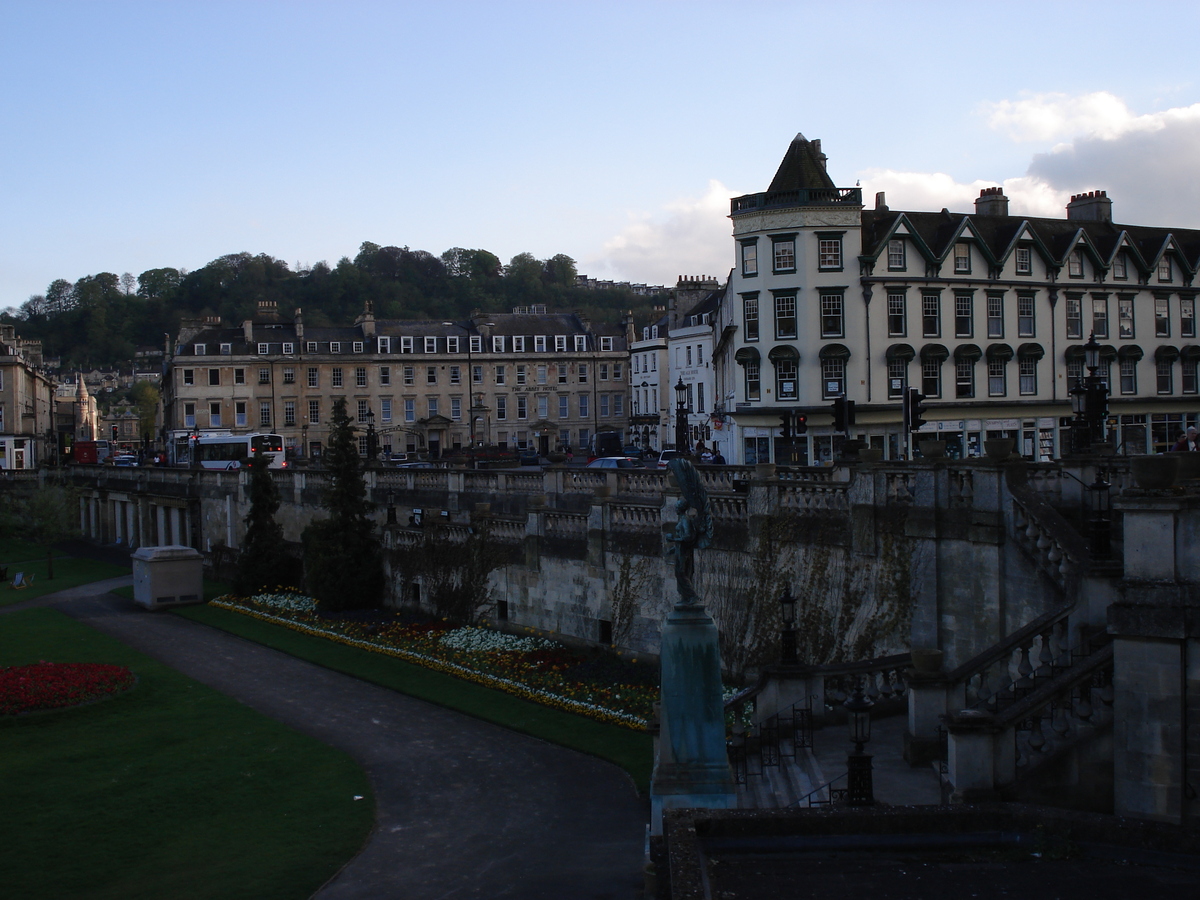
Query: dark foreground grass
[[170, 790], [69, 572], [631, 750]]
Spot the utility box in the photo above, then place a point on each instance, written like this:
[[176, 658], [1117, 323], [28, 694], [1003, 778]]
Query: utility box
[[171, 575]]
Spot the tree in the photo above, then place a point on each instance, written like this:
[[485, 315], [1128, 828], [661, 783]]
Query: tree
[[263, 562], [60, 296], [343, 565], [560, 269], [128, 283], [146, 396], [51, 514]]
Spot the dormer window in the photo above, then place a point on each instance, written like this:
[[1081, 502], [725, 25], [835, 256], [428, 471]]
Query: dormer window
[[606, 343], [406, 345], [518, 343], [895, 255], [358, 346], [645, 332], [335, 346], [200, 350], [498, 343], [452, 344], [560, 343], [431, 345], [289, 349], [262, 349], [1075, 264], [1120, 266], [539, 343], [580, 342], [1024, 261], [384, 345], [310, 347], [226, 349], [1164, 268], [962, 259], [476, 343]]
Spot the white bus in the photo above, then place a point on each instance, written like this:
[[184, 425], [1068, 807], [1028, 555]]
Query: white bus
[[230, 451]]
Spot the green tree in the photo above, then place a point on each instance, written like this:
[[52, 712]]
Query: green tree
[[50, 515], [560, 269], [343, 563], [263, 562], [146, 396]]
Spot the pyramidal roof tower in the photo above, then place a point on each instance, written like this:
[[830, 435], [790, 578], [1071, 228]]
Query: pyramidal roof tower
[[803, 167]]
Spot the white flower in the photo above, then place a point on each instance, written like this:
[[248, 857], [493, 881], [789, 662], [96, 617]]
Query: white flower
[[483, 640]]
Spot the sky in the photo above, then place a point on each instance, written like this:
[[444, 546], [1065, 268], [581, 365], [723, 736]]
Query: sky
[[137, 135]]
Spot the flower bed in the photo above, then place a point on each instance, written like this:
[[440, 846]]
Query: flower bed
[[47, 685], [544, 671]]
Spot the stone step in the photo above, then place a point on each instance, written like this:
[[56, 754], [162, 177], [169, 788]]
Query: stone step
[[779, 786]]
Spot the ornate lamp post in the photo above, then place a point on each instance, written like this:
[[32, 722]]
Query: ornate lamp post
[[391, 508], [371, 438], [787, 637], [681, 428], [860, 791], [304, 437], [1096, 401]]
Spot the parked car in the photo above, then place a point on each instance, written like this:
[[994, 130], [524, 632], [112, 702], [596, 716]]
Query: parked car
[[615, 462], [125, 459], [529, 458], [415, 465], [667, 455]]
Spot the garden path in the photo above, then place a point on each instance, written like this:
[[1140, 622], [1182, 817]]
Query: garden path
[[465, 809]]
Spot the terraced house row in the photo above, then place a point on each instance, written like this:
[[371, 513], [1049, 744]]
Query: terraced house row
[[529, 379], [984, 313]]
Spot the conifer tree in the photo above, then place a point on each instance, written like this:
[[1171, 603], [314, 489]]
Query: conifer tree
[[263, 563]]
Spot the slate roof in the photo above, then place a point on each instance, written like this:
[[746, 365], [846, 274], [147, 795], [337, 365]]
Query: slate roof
[[801, 168]]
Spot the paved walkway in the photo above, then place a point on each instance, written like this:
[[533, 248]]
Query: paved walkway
[[464, 808]]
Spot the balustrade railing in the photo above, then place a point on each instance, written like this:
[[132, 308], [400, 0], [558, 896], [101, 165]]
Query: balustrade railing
[[626, 517], [641, 483], [810, 497], [557, 524], [584, 482], [1046, 536], [882, 679]]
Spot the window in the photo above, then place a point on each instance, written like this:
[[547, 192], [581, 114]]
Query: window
[[1074, 371], [498, 343], [1162, 317], [1128, 376], [749, 259], [477, 374], [363, 409], [239, 414], [539, 343], [1100, 316], [833, 377], [500, 374], [785, 379], [239, 376], [543, 406], [336, 347], [602, 370], [383, 345], [541, 374], [829, 252], [604, 405], [1189, 376], [1165, 369], [189, 415], [200, 350], [1125, 317], [931, 377], [995, 316], [964, 320], [606, 343], [562, 374], [360, 376], [752, 381], [314, 412], [1074, 316], [226, 349], [432, 404], [214, 377], [456, 374], [410, 375], [189, 376], [931, 315], [895, 255], [750, 315], [410, 410], [962, 259], [1027, 375], [1187, 317], [522, 374], [583, 406], [897, 375], [456, 409], [501, 407], [262, 349], [289, 412], [519, 343], [430, 345], [832, 324], [1024, 261], [431, 374], [476, 343], [358, 346], [785, 316], [1075, 264], [264, 376], [385, 410], [785, 254], [385, 376], [406, 344], [335, 377], [214, 415], [580, 343], [619, 403], [310, 347], [1164, 271], [564, 406], [264, 413], [452, 344], [996, 377], [964, 378], [289, 349], [1120, 266], [560, 343], [618, 368], [897, 319], [522, 406], [1025, 315], [689, 356], [583, 373]]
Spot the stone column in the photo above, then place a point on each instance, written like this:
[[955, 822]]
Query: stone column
[[971, 756]]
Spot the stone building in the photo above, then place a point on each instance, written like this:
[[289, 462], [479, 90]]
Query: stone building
[[526, 379], [26, 403], [985, 313]]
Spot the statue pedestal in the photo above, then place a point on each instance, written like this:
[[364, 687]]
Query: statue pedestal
[[692, 769]]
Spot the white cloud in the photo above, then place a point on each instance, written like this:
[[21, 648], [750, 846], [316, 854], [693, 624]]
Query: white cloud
[[689, 237], [931, 191], [1055, 117]]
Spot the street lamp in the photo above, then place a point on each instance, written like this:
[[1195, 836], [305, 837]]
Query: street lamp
[[371, 451], [1096, 400], [787, 638], [304, 437], [860, 791], [681, 436]]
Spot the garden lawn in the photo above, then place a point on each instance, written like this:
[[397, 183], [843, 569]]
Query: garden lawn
[[631, 750], [69, 571], [168, 790]]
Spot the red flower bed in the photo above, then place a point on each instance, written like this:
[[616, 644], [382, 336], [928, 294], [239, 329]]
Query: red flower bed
[[47, 685]]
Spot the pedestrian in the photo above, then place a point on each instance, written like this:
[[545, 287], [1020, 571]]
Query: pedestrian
[[1188, 440], [718, 459]]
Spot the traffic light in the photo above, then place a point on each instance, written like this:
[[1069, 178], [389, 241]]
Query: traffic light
[[785, 420], [843, 415], [914, 410], [801, 424]]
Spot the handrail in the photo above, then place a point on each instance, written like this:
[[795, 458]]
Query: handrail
[[1005, 646], [829, 784], [1046, 692]]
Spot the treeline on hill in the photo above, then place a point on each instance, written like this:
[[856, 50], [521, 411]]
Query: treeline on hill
[[101, 320]]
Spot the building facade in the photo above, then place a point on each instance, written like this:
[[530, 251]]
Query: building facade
[[985, 313], [690, 353], [529, 379], [27, 421]]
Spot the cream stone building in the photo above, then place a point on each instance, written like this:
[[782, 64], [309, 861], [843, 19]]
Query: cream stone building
[[27, 427]]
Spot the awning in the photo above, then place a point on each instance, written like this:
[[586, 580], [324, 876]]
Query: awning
[[784, 352], [1166, 353], [1190, 352], [967, 352], [1129, 351], [747, 355], [1031, 351], [1074, 351], [835, 351], [903, 352], [934, 352], [1108, 352], [999, 351]]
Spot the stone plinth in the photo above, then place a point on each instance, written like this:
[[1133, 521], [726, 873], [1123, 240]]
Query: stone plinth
[[171, 575], [971, 761]]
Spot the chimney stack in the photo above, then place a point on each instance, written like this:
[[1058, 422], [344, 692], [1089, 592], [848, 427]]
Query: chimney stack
[[1094, 206], [991, 202]]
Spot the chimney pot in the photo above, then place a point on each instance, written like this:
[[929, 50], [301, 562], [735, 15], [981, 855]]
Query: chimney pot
[[991, 202]]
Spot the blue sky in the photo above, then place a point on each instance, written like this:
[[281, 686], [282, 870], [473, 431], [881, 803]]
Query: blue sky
[[142, 134]]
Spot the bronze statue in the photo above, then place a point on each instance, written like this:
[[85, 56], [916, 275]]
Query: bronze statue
[[691, 532]]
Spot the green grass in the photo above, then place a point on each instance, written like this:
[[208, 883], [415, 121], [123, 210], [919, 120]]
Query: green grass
[[170, 790], [15, 550], [69, 571], [631, 750]]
